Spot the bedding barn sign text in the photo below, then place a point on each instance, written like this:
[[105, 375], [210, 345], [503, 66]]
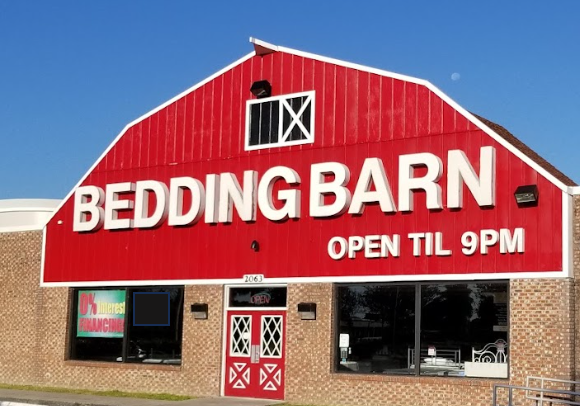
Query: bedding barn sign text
[[95, 208]]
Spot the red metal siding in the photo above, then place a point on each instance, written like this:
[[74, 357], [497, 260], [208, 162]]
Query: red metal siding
[[358, 115]]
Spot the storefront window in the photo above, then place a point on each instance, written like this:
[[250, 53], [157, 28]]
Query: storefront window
[[158, 344], [462, 331], [377, 324], [102, 327]]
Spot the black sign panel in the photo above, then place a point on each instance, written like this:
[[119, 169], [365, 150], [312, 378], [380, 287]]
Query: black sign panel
[[257, 296]]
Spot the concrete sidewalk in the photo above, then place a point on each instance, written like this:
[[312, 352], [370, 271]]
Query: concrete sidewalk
[[11, 397]]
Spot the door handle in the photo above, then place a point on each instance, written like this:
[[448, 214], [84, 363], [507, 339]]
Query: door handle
[[255, 354]]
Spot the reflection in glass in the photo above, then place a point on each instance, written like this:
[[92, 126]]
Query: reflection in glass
[[458, 319], [380, 323], [144, 344], [464, 329], [158, 344]]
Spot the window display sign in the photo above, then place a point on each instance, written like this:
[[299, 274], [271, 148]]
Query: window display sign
[[258, 297], [101, 313]]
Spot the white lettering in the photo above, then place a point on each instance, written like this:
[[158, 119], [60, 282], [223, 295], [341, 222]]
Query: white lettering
[[488, 239], [231, 194], [329, 196], [408, 183], [416, 237], [439, 251], [390, 246], [142, 191], [88, 201], [372, 242], [177, 187], [290, 197], [372, 172], [355, 244], [459, 170], [212, 185], [113, 206], [342, 245], [319, 188], [469, 240], [509, 244]]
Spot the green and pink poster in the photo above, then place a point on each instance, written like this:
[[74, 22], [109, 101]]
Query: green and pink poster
[[101, 313]]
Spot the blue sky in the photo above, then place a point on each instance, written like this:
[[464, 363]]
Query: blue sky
[[74, 73]]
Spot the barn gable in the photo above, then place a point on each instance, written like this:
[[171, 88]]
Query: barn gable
[[358, 112]]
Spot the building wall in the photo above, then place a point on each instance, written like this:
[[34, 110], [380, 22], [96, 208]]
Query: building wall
[[19, 318], [541, 344], [34, 337], [542, 325], [576, 260]]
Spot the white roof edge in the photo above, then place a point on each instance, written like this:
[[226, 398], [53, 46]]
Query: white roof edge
[[21, 229], [263, 47], [20, 205], [573, 190], [143, 117]]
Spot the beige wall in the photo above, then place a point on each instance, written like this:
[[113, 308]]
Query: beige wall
[[34, 332]]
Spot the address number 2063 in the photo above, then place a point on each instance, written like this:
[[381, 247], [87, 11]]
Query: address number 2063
[[253, 278]]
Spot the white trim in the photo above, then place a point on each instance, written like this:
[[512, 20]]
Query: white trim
[[42, 256], [143, 117], [26, 209], [323, 279], [19, 229], [574, 190], [262, 284], [226, 297], [41, 205], [502, 141], [283, 106], [567, 235], [263, 44], [282, 335], [257, 309], [230, 353]]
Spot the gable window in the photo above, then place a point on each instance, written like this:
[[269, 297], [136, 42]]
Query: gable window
[[280, 121]]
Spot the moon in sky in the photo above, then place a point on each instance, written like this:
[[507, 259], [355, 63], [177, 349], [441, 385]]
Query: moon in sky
[[455, 76]]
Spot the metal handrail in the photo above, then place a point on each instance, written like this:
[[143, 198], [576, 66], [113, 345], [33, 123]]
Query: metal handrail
[[545, 395]]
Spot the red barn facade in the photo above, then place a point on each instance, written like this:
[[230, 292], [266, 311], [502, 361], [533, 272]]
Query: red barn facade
[[327, 232]]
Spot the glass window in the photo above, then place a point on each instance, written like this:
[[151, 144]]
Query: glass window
[[463, 329], [280, 120], [376, 328], [102, 327], [158, 344], [258, 297], [457, 320]]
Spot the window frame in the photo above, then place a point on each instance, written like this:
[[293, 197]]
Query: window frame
[[418, 313], [310, 99], [73, 315]]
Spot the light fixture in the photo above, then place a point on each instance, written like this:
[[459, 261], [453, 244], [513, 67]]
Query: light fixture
[[199, 311], [261, 89], [307, 311], [255, 246], [526, 195]]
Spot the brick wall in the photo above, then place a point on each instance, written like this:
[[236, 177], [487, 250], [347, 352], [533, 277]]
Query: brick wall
[[19, 318], [576, 296], [541, 344], [33, 347], [33, 337]]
